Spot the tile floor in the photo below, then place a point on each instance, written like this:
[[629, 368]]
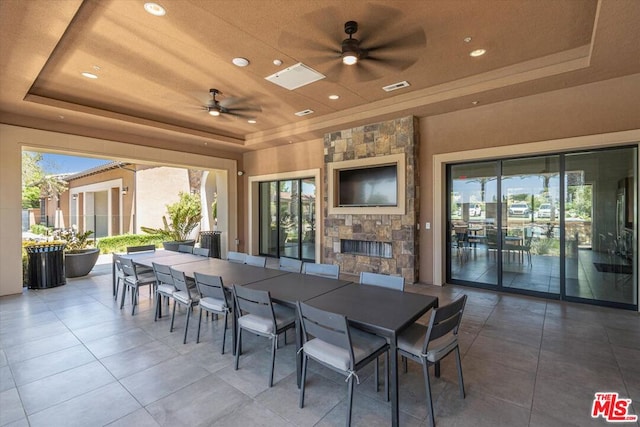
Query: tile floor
[[70, 357]]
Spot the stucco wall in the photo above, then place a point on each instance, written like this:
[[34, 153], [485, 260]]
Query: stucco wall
[[156, 188]]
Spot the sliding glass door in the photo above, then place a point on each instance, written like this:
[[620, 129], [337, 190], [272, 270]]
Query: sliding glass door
[[287, 218], [561, 226]]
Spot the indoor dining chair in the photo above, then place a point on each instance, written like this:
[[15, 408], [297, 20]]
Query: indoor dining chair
[[184, 295], [213, 299], [428, 345], [328, 340], [185, 249], [330, 271], [258, 315]]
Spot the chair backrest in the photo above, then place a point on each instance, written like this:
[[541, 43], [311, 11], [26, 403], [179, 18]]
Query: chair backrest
[[128, 267], [186, 249], [179, 280], [382, 280], [254, 302], [258, 261], [118, 263], [144, 248], [163, 273], [202, 251], [326, 326], [210, 286], [237, 257], [290, 264], [445, 320], [331, 271]]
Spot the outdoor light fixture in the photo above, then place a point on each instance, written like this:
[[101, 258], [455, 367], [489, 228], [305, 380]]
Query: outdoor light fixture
[[75, 197], [125, 190]]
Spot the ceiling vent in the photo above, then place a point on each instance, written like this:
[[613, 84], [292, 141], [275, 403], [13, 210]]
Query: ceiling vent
[[396, 86], [295, 76], [303, 112]]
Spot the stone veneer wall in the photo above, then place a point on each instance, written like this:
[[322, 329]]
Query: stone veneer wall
[[380, 139]]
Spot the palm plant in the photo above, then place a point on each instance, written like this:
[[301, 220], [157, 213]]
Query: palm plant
[[184, 217]]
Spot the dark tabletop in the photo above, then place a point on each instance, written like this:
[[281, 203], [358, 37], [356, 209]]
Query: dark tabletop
[[294, 287], [379, 310], [162, 257], [231, 273]]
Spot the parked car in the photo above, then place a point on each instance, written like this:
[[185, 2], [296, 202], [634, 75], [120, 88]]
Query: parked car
[[545, 209], [475, 209], [519, 208]]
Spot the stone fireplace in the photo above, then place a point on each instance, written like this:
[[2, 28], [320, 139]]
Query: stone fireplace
[[374, 239]]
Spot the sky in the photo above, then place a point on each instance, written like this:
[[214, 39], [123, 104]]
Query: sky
[[59, 163]]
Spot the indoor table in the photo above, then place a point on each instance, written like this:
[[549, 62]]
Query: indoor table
[[381, 311]]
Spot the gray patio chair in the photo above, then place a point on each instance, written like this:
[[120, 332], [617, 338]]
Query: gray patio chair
[[331, 271], [184, 295], [428, 345], [164, 287], [142, 248], [257, 261], [383, 281], [185, 249], [119, 275], [237, 257], [290, 264], [258, 315], [133, 280], [329, 340], [202, 251], [213, 299]]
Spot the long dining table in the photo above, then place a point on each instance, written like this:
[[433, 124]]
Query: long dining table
[[381, 311]]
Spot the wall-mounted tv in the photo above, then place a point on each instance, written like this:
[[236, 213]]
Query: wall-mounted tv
[[368, 186]]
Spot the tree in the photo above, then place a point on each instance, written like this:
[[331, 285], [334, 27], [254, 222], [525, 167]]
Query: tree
[[35, 183]]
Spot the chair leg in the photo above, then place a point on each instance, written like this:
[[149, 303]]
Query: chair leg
[[303, 379], [173, 315], [273, 359], [462, 393], [186, 325], [427, 385], [375, 374], [156, 305], [404, 364], [199, 323], [386, 374], [134, 295], [124, 292], [224, 332], [238, 339], [349, 401]]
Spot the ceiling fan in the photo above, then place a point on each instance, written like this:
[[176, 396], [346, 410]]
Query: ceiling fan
[[217, 108]]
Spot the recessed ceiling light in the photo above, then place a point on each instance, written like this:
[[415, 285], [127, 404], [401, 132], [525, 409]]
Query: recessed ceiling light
[[61, 117], [477, 52], [252, 121], [334, 97], [96, 67], [240, 62], [155, 9], [475, 102], [277, 62], [89, 75], [466, 39]]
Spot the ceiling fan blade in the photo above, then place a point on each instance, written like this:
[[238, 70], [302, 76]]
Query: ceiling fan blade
[[391, 64], [366, 71]]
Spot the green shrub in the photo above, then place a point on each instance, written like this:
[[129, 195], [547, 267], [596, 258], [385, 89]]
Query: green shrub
[[40, 229], [184, 217], [108, 245]]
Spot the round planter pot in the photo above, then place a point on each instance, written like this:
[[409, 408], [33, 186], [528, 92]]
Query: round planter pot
[[173, 246], [80, 262]]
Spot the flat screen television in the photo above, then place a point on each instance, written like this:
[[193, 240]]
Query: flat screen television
[[369, 186]]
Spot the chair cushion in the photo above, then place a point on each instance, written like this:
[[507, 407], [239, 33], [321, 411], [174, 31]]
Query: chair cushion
[[256, 323], [166, 289], [412, 339], [363, 344], [181, 296], [214, 304]]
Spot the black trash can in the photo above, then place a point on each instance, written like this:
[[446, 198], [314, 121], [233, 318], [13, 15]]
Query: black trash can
[[45, 268], [211, 241]]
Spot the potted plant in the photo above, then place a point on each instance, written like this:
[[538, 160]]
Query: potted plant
[[79, 257], [184, 217]]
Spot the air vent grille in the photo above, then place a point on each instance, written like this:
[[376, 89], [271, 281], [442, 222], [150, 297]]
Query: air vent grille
[[304, 112], [396, 86]]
